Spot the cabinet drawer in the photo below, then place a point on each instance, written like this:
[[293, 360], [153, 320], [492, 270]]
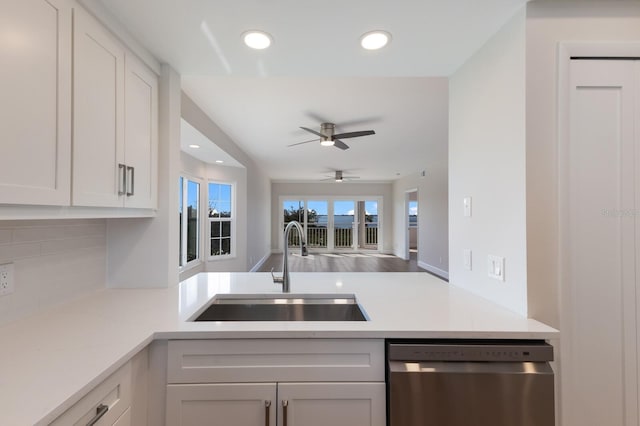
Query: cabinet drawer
[[114, 392], [226, 361]]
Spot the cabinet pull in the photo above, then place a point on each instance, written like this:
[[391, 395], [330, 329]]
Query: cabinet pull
[[131, 180], [122, 179], [285, 404], [101, 410], [267, 408]]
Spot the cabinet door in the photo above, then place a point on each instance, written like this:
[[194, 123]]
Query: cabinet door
[[35, 105], [335, 404], [141, 134], [246, 404], [98, 114]]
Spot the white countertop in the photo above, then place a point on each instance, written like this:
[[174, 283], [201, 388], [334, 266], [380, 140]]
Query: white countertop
[[48, 361]]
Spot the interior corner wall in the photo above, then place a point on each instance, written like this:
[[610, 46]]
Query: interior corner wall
[[487, 163], [549, 23], [433, 218], [344, 189], [253, 228]]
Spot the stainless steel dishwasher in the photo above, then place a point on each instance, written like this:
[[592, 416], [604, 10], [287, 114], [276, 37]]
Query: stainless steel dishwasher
[[470, 383]]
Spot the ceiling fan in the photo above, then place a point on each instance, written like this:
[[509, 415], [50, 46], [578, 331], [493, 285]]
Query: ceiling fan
[[328, 137], [340, 177]]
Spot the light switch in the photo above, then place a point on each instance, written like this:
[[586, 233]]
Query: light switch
[[467, 206], [496, 267], [467, 259]]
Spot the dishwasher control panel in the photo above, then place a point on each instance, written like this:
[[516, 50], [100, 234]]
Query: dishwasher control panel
[[470, 351]]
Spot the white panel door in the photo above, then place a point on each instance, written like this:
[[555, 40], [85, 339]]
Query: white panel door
[[599, 356], [334, 404], [98, 115], [35, 105], [141, 134], [245, 404]]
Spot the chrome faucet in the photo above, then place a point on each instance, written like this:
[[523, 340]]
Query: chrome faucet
[[285, 279]]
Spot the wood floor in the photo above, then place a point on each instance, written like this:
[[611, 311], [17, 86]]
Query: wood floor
[[343, 262]]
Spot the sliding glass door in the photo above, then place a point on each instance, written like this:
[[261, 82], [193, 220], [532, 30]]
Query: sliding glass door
[[344, 221], [334, 223]]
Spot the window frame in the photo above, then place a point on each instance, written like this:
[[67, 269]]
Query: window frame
[[232, 220], [183, 263]]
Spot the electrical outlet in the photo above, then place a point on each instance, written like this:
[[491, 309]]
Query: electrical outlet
[[6, 279]]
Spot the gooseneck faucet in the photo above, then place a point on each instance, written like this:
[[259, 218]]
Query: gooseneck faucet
[[285, 279]]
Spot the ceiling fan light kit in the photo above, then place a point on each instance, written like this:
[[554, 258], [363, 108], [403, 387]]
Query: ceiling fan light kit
[[328, 137]]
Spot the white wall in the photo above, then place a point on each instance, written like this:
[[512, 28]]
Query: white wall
[[487, 163], [329, 189], [433, 220], [55, 261], [547, 25], [254, 212]]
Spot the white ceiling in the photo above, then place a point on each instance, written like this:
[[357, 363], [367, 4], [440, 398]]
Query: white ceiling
[[315, 71]]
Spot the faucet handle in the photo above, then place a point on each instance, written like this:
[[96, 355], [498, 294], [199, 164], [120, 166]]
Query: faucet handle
[[277, 280]]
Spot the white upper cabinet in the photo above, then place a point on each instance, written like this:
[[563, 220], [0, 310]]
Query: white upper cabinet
[[141, 134], [115, 121], [35, 105], [98, 114]]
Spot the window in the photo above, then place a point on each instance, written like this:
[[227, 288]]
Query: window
[[221, 219], [189, 221], [413, 214]]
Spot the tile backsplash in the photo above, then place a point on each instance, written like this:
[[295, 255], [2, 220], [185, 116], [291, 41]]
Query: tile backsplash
[[54, 261]]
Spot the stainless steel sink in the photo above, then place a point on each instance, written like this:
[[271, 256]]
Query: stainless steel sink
[[283, 307]]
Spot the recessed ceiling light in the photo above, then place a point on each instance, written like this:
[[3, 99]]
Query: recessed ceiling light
[[193, 145], [374, 40], [219, 161], [256, 39]]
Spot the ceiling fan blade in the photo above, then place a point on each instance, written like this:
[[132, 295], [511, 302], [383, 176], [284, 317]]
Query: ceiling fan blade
[[300, 143], [354, 134], [314, 132], [340, 144]]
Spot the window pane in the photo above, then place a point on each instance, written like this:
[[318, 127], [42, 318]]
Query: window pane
[[226, 229], [215, 228], [224, 207], [180, 214], [193, 192], [226, 246], [215, 247]]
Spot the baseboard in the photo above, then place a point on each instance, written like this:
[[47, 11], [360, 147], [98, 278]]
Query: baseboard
[[436, 271], [258, 265]]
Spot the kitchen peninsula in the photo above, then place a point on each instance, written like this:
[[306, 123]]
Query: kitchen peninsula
[[51, 360]]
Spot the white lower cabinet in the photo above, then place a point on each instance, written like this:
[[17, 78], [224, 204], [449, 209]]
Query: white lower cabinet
[[119, 400], [282, 404], [281, 382]]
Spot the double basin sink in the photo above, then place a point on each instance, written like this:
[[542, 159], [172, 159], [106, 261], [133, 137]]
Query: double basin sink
[[283, 307]]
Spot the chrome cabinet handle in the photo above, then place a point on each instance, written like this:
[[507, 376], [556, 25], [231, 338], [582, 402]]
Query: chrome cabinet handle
[[130, 182], [267, 408], [101, 410], [285, 404], [122, 179]]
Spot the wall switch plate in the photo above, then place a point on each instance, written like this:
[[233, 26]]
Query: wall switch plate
[[466, 201], [466, 254], [496, 267], [6, 279]]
